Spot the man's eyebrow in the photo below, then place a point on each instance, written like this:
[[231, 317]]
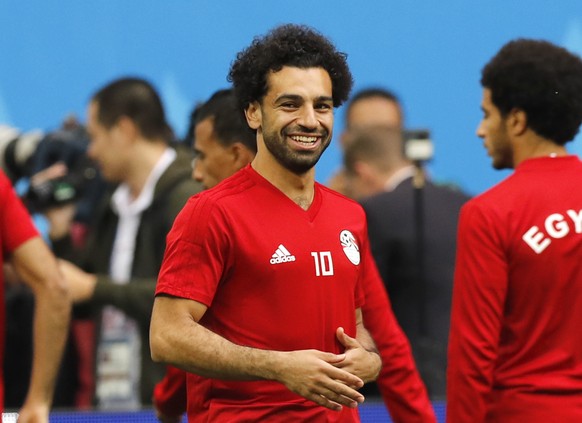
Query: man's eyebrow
[[285, 97], [296, 97], [325, 98]]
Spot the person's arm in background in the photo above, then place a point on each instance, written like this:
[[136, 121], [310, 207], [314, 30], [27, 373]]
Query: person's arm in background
[[134, 298], [479, 293], [36, 266], [399, 382]]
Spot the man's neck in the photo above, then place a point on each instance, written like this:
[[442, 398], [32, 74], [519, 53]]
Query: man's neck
[[144, 161], [535, 146], [298, 187], [397, 176]]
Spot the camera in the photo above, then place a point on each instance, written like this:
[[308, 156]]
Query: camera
[[418, 146], [23, 155], [17, 151], [63, 190]]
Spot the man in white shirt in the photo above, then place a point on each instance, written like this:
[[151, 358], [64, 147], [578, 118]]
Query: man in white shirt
[[151, 181]]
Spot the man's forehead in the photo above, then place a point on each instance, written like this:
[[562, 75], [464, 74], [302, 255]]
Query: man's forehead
[[301, 82], [205, 126]]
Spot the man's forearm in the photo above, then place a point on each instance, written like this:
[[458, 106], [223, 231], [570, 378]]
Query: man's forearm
[[37, 267], [214, 356], [176, 338], [51, 323], [374, 359]]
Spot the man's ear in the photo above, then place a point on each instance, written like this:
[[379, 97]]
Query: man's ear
[[363, 170], [127, 127], [242, 154], [516, 121], [254, 115]]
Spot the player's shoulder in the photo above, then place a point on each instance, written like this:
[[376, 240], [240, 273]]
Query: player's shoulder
[[337, 199], [495, 203]]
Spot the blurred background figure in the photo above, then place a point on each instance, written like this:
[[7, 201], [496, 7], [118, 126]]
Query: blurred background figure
[[223, 144], [381, 178], [374, 161], [412, 228], [149, 181], [369, 107]]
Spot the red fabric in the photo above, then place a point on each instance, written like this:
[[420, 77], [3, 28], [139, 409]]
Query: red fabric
[[83, 332], [16, 228], [514, 350], [400, 385], [234, 235], [399, 382], [170, 393]]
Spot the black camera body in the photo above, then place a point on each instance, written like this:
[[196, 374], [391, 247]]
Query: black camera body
[[23, 155], [66, 189]]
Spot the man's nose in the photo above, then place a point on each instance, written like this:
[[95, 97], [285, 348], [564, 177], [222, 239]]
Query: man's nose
[[308, 117]]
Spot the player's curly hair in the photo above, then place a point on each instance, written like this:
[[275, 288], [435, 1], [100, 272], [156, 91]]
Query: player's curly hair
[[288, 45], [543, 80]]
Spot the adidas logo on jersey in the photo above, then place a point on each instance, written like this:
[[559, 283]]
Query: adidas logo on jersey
[[282, 255]]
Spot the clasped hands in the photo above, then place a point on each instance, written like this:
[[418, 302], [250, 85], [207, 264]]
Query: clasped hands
[[331, 380]]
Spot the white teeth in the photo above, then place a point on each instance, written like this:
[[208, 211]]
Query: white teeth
[[304, 139]]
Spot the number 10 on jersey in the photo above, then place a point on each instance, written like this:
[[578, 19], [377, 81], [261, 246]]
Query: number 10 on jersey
[[323, 263]]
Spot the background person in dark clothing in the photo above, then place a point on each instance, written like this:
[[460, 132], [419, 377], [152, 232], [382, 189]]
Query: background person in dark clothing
[[378, 174]]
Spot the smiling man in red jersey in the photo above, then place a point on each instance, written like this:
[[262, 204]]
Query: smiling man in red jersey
[[272, 321]]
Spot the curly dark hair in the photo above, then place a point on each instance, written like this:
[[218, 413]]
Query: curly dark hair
[[288, 45], [543, 80]]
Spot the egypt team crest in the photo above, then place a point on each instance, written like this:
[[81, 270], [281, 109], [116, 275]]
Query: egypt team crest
[[350, 247]]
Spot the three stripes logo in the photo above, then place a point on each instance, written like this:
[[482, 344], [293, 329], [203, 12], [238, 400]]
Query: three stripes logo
[[282, 255]]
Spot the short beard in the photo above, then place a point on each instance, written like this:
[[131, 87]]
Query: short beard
[[296, 162]]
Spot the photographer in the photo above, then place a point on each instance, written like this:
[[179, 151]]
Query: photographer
[[399, 211], [115, 276]]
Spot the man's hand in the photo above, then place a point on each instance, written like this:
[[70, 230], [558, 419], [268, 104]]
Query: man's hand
[[316, 376], [60, 220], [34, 413], [360, 362], [81, 283], [60, 217]]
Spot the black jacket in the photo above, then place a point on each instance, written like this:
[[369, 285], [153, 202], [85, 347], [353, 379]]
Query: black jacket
[[136, 298], [392, 225]]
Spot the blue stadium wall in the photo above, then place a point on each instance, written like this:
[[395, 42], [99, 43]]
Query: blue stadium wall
[[54, 54]]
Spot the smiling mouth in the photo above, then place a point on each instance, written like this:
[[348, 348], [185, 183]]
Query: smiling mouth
[[305, 141]]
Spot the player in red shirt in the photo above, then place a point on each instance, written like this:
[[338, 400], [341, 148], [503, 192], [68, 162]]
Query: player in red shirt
[[515, 354], [35, 265], [260, 290], [224, 143]]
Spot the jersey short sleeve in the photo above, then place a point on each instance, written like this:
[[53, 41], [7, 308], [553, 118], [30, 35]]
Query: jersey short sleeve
[[16, 226], [197, 252]]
